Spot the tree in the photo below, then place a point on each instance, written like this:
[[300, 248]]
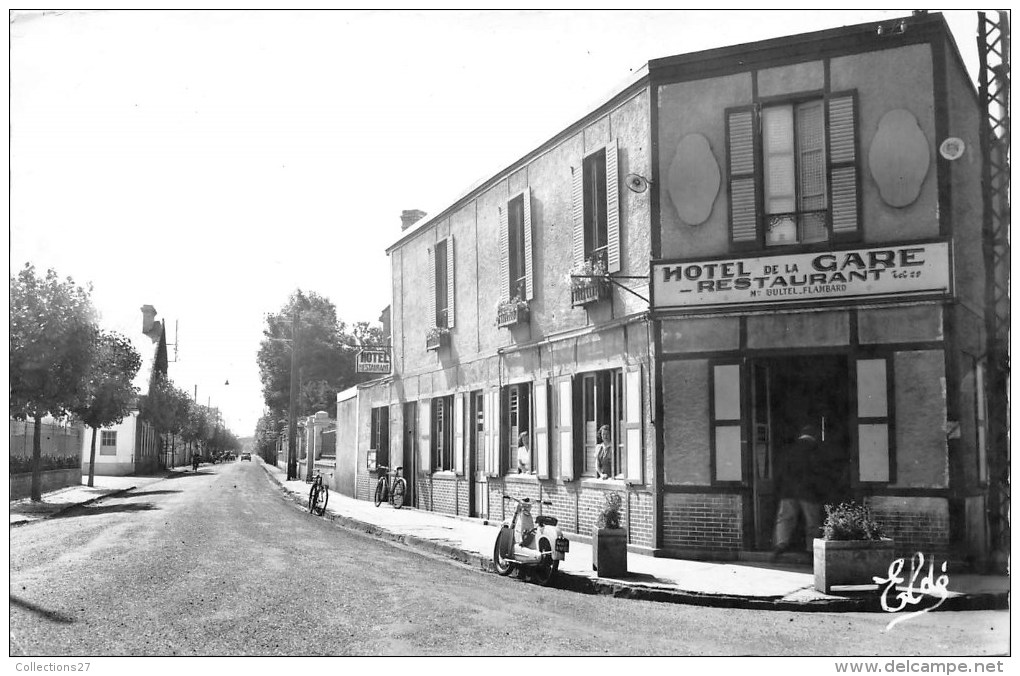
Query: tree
[[196, 427], [52, 336], [166, 408], [109, 393], [326, 354]]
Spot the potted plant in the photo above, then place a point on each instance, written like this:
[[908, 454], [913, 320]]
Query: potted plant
[[588, 282], [853, 549], [511, 312], [437, 336], [609, 539]]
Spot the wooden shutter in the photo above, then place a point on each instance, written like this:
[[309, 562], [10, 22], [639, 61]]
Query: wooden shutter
[[458, 434], [577, 196], [843, 165], [507, 447], [742, 181], [613, 206], [504, 252], [431, 286], [541, 436], [726, 423], [450, 314], [529, 256], [633, 423], [424, 436], [565, 427]]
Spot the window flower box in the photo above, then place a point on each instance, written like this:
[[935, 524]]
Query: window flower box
[[589, 283], [436, 338], [512, 312]]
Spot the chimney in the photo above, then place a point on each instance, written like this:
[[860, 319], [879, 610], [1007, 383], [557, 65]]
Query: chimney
[[409, 217], [384, 319], [149, 325]]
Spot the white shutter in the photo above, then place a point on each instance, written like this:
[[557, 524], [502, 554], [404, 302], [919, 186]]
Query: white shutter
[[633, 424], [504, 252], [491, 435], [424, 435], [529, 256], [743, 189], [450, 314], [431, 287], [565, 427], [541, 441], [458, 434], [613, 206], [577, 197], [843, 164]]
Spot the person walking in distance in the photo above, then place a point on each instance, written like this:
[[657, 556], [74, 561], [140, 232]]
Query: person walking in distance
[[800, 489]]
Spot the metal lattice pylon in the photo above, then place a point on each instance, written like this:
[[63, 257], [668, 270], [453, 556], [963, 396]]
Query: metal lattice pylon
[[993, 48]]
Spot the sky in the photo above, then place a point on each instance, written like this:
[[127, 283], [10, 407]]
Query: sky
[[211, 163]]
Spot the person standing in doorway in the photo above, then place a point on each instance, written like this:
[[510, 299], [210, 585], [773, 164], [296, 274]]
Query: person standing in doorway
[[800, 489]]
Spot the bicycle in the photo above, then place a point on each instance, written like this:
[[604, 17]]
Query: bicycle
[[318, 496], [393, 492]]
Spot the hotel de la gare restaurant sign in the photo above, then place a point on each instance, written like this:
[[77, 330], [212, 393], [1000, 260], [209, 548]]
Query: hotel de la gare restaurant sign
[[872, 274]]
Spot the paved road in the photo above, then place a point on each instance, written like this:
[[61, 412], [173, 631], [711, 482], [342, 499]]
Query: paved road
[[219, 563]]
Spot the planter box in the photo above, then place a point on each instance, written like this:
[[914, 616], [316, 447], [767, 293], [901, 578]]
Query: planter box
[[511, 316], [589, 293], [437, 341], [609, 552], [851, 562]]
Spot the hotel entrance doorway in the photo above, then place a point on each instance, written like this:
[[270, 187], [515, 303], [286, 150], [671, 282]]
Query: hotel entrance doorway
[[788, 393]]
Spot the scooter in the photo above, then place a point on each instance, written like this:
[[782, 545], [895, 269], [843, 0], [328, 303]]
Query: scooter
[[535, 545]]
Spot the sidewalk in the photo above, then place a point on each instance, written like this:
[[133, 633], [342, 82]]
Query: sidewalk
[[728, 585], [24, 511]]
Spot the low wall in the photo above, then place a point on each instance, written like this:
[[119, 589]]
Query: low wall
[[50, 480]]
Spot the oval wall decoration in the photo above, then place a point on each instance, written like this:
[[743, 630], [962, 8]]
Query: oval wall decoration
[[899, 157], [694, 179]]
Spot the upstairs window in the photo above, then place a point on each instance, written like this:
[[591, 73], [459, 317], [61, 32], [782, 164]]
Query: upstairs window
[[793, 172], [596, 201], [441, 273], [515, 265]]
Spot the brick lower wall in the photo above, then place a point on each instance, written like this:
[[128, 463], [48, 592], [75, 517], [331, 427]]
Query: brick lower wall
[[702, 521], [639, 524], [915, 524]]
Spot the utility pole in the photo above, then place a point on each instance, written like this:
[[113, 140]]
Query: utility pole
[[292, 413]]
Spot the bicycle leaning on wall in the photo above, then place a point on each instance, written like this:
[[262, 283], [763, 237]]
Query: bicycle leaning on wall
[[391, 487]]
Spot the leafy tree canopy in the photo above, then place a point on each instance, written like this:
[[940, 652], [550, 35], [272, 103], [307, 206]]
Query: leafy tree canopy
[[108, 393], [326, 354], [52, 336]]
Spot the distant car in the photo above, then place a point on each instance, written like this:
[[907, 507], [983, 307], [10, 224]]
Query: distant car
[[246, 456]]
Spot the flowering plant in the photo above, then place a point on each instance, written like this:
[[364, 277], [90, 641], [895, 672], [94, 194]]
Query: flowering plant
[[609, 517], [850, 521], [587, 273], [436, 332], [515, 303]]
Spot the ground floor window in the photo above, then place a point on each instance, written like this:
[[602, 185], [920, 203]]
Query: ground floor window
[[108, 442], [601, 403], [380, 436], [442, 434], [517, 446]]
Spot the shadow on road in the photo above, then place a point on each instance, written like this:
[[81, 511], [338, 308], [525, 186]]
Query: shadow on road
[[92, 510], [135, 494], [51, 615]]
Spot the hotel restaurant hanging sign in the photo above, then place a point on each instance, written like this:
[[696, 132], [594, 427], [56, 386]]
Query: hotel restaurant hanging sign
[[373, 360], [884, 273]]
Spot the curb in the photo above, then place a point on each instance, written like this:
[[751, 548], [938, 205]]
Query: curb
[[868, 602], [74, 505]]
